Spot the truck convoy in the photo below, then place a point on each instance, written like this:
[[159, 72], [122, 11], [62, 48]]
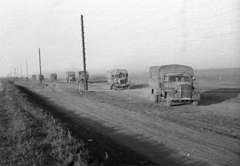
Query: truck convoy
[[34, 77], [118, 78], [71, 76], [53, 77], [173, 83], [81, 75], [40, 77]]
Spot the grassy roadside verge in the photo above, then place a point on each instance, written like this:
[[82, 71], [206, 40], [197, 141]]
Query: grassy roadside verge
[[30, 136]]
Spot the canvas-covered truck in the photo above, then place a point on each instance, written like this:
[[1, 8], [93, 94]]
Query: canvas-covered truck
[[173, 83], [53, 77], [71, 76], [40, 77], [118, 79], [81, 75], [34, 77]]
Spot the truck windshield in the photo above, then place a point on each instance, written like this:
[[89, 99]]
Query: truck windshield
[[120, 75], [179, 79]]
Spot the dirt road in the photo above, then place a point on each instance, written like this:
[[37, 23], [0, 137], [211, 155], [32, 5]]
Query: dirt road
[[204, 135]]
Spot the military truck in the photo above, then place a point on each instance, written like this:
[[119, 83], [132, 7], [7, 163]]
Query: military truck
[[118, 79], [71, 76], [174, 83], [40, 77], [81, 75], [53, 77], [34, 77]]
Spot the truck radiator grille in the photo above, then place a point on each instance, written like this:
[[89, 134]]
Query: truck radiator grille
[[185, 91], [122, 81]]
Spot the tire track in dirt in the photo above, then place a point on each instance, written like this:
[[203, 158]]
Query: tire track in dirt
[[118, 122], [156, 131], [198, 118], [139, 132], [82, 128]]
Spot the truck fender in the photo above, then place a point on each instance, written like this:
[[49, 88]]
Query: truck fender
[[156, 91]]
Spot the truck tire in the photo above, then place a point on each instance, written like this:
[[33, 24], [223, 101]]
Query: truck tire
[[156, 98], [169, 102], [195, 103]]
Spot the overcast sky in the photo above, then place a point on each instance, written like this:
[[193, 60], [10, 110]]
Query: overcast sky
[[130, 34]]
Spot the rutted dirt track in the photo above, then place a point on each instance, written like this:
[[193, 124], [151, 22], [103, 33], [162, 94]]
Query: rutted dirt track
[[180, 135]]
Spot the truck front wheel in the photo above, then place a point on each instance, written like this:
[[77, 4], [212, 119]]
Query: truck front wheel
[[169, 102], [111, 87], [195, 103], [156, 98]]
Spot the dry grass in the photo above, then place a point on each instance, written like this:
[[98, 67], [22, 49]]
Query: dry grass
[[30, 136]]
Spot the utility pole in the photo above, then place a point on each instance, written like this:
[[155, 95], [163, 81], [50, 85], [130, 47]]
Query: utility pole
[[17, 72], [21, 70], [27, 69], [40, 78], [14, 75], [84, 59]]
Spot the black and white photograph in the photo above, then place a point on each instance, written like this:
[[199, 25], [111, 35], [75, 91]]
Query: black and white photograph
[[119, 82]]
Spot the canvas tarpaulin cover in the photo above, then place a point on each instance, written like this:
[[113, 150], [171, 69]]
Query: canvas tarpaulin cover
[[117, 71], [70, 73], [156, 72]]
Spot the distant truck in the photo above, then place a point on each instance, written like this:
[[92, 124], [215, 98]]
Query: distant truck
[[81, 75], [173, 83], [71, 76], [34, 77], [118, 78], [40, 77], [53, 77]]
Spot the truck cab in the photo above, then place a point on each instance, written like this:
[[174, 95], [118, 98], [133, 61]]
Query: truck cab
[[173, 83], [118, 79], [71, 76], [53, 77], [81, 75]]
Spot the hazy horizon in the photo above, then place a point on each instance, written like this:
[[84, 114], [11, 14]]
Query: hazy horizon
[[133, 34]]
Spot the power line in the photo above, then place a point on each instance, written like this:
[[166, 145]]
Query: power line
[[178, 26], [71, 42], [195, 21], [130, 15], [171, 6], [167, 28], [172, 44], [163, 39], [214, 36], [187, 41], [166, 18]]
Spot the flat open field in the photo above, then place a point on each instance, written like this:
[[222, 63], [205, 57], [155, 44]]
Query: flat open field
[[126, 122]]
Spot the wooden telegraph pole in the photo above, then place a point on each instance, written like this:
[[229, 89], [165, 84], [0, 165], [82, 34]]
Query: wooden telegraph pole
[[40, 79], [17, 73], [14, 73], [27, 69], [21, 70], [84, 59]]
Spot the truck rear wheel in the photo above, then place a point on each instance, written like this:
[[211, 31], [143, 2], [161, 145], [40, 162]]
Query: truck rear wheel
[[195, 103], [111, 87], [169, 102], [156, 98]]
